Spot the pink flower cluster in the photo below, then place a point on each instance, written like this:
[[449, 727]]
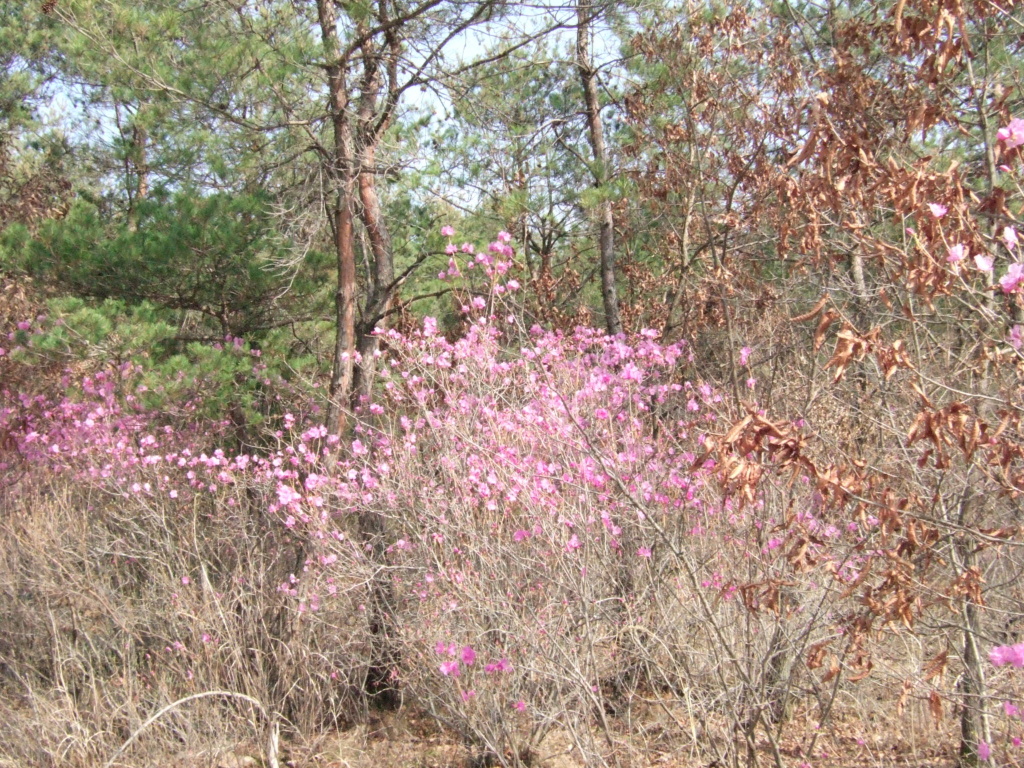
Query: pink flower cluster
[[1007, 654]]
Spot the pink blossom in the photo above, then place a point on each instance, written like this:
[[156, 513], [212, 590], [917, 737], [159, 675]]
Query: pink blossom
[[984, 751], [286, 494], [643, 551], [956, 254], [1010, 709], [745, 355], [1014, 275], [1013, 134], [468, 656], [938, 210], [504, 236], [186, 580], [478, 302], [520, 535], [451, 248], [450, 668], [1007, 654], [1015, 337], [1010, 237], [574, 543], [447, 230], [467, 695], [520, 705], [983, 262]]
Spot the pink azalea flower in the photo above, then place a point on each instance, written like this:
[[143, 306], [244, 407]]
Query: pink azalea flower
[[1010, 709], [574, 543], [502, 665], [447, 231], [450, 249], [1007, 654], [520, 705], [1014, 275], [504, 236], [468, 656], [450, 668], [1010, 237], [938, 210], [983, 262], [643, 551], [956, 254], [1013, 134], [1015, 337], [984, 751], [745, 355]]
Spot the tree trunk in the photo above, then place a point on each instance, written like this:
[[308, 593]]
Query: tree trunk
[[342, 367], [380, 281], [974, 725], [588, 79]]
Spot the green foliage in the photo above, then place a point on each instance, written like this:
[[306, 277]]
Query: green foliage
[[109, 331], [211, 381], [218, 256]]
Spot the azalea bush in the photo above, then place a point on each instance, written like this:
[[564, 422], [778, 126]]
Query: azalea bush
[[527, 532], [534, 536]]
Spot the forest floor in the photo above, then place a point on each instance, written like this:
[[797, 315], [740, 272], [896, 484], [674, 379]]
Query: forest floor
[[399, 740]]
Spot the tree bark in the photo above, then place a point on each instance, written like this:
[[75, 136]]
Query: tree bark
[[974, 724], [342, 369], [380, 281], [588, 78]]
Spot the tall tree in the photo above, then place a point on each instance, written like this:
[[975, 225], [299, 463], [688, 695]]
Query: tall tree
[[319, 80], [586, 13]]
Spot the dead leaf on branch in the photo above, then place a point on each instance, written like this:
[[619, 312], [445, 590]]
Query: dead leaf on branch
[[850, 347], [936, 667], [935, 708]]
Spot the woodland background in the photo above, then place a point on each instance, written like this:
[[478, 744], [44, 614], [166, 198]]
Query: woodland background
[[494, 383]]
